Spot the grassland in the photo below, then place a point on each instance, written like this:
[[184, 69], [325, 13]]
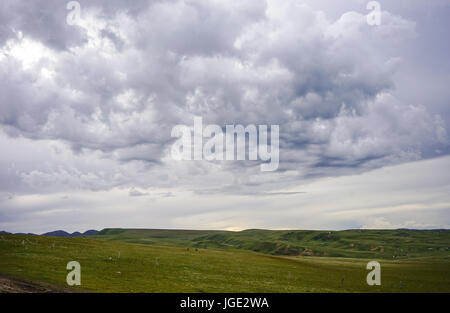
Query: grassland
[[170, 268], [381, 244]]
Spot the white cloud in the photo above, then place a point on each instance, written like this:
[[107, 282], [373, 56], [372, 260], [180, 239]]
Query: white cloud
[[383, 223], [95, 104]]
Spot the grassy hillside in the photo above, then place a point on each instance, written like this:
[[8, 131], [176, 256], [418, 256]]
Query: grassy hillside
[[384, 244], [154, 268]]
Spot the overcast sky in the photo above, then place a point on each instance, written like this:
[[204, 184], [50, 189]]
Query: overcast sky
[[86, 113]]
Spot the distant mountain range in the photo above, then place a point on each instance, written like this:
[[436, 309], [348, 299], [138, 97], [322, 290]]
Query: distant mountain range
[[62, 233], [58, 233]]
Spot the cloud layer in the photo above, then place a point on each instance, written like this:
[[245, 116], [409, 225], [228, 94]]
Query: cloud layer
[[91, 106]]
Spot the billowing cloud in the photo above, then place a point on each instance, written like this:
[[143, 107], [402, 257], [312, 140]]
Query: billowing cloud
[[91, 106]]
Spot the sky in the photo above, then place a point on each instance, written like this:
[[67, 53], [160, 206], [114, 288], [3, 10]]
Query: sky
[[87, 106]]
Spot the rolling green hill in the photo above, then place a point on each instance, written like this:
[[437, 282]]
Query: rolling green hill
[[108, 266], [383, 244]]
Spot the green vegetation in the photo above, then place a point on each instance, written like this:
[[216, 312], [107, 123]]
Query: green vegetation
[[381, 244], [157, 268]]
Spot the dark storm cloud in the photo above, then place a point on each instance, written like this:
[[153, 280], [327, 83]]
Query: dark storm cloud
[[41, 19], [115, 85]]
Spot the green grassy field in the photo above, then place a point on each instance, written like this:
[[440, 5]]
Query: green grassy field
[[158, 268], [382, 244]]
